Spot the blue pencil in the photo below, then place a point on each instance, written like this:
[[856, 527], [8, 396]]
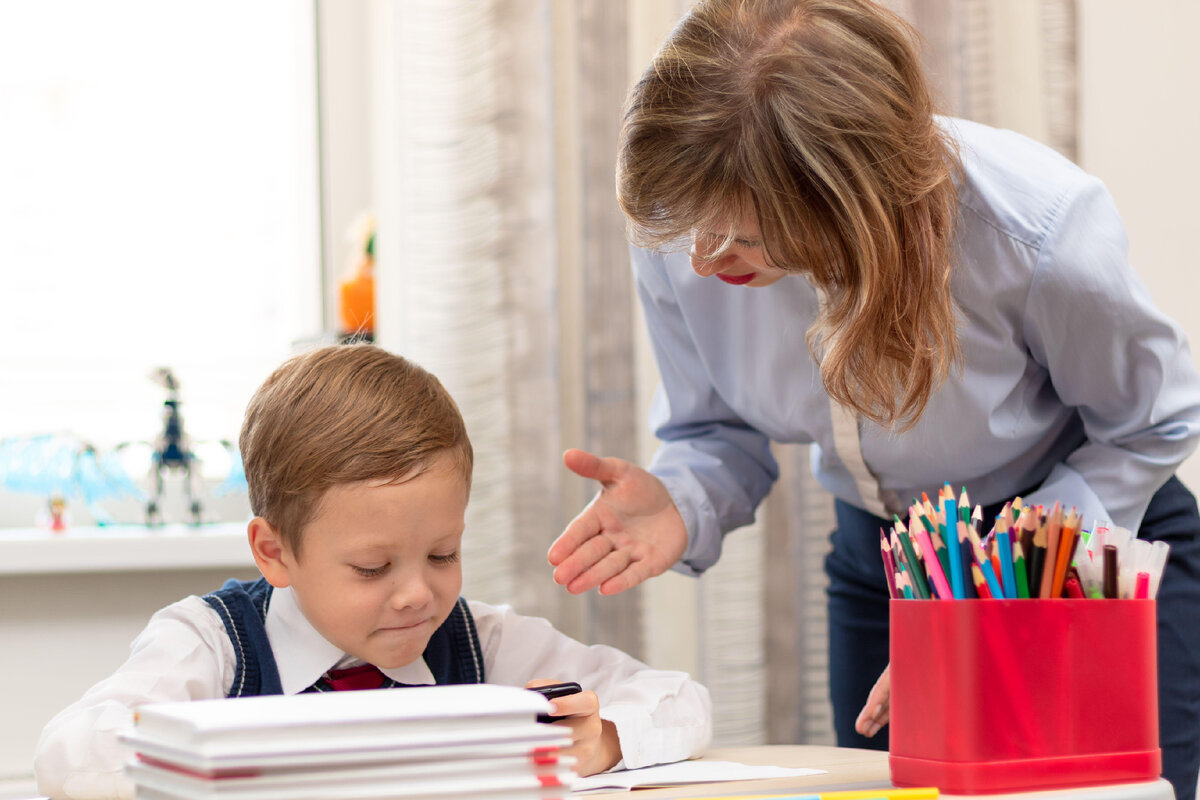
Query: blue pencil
[[1006, 564], [989, 575], [957, 575]]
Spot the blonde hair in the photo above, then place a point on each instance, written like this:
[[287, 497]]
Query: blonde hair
[[815, 117], [339, 415]]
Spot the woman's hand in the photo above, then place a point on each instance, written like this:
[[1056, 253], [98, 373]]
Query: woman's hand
[[876, 712], [630, 531], [594, 742]]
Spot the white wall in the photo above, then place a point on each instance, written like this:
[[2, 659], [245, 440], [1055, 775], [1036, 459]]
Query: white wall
[[60, 634], [1139, 66]]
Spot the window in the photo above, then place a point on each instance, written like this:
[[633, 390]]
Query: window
[[158, 207]]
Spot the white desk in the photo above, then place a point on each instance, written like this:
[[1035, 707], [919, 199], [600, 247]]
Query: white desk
[[847, 769], [854, 769]]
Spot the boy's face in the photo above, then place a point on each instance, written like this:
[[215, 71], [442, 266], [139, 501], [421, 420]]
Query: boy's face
[[379, 567]]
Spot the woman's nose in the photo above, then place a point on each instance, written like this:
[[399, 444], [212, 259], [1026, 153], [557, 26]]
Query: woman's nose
[[709, 266]]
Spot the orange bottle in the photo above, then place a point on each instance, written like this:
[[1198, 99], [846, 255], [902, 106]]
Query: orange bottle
[[356, 292]]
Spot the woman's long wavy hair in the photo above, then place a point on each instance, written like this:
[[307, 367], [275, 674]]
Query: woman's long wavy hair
[[815, 117]]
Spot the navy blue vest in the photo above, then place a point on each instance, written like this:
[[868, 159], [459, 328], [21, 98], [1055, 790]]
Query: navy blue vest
[[453, 653]]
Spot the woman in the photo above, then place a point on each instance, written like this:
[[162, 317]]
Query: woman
[[923, 299]]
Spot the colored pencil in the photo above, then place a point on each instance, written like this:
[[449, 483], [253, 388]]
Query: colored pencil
[[994, 556], [930, 511], [1027, 525], [1037, 557], [966, 558], [932, 565], [1004, 520], [958, 576], [1019, 570], [1053, 529], [977, 578], [943, 554], [920, 587], [993, 582], [897, 554], [1007, 573], [889, 564], [976, 523], [1066, 551], [984, 562]]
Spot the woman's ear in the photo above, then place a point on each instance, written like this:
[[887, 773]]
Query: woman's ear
[[269, 552]]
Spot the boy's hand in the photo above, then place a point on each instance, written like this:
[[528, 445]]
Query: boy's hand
[[594, 741], [876, 712]]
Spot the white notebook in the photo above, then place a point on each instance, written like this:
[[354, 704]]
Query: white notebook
[[339, 721], [406, 780], [533, 739]]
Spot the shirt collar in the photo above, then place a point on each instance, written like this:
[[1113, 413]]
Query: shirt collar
[[303, 655]]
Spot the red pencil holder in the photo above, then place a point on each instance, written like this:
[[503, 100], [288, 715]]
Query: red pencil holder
[[1012, 695]]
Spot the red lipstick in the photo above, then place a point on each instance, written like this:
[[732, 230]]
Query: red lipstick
[[737, 280]]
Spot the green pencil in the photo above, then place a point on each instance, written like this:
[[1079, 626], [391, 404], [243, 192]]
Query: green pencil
[[1019, 569], [919, 585]]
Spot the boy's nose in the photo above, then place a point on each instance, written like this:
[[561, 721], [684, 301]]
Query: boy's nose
[[412, 592]]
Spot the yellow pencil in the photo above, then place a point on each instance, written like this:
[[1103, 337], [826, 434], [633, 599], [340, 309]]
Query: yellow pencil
[[858, 794]]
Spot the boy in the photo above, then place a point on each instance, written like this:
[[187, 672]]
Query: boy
[[359, 468]]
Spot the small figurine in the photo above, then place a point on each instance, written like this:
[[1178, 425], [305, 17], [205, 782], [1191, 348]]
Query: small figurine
[[172, 451], [58, 513]]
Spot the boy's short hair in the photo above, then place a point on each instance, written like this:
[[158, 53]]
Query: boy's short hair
[[339, 415]]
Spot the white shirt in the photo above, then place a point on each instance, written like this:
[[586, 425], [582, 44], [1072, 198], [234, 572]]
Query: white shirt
[[184, 653]]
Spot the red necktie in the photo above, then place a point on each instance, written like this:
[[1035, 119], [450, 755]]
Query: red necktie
[[366, 676]]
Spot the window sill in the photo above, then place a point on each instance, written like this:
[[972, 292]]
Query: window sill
[[124, 548]]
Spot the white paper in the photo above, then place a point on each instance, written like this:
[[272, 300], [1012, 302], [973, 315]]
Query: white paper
[[683, 772]]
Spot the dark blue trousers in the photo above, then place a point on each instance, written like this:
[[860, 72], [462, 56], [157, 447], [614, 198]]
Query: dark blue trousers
[[858, 626]]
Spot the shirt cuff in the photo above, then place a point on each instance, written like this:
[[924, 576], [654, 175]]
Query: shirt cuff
[[642, 744], [703, 547], [1066, 486]]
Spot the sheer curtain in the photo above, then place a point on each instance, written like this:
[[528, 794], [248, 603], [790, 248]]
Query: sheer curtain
[[502, 267]]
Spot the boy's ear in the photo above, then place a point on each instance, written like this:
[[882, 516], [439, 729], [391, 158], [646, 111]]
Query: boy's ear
[[267, 546]]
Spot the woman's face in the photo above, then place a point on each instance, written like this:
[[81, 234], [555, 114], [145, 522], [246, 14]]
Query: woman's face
[[744, 262]]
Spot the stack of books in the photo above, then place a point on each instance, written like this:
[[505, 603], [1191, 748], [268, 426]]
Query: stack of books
[[447, 742]]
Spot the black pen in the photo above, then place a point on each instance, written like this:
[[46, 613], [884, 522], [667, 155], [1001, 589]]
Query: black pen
[[552, 690]]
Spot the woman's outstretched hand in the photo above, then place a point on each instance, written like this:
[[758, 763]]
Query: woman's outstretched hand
[[875, 713], [630, 531]]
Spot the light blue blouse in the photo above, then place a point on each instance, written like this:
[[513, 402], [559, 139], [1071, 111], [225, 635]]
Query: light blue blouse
[[1074, 381]]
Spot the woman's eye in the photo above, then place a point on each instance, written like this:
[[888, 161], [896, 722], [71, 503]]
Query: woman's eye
[[448, 558], [370, 572]]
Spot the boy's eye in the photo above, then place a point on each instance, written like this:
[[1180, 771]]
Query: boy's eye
[[369, 572], [448, 558]]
